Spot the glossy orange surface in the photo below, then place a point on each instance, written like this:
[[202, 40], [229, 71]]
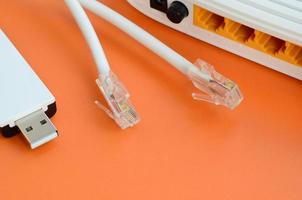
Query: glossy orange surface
[[181, 150]]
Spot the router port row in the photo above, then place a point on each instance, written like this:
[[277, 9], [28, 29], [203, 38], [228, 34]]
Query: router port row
[[253, 38]]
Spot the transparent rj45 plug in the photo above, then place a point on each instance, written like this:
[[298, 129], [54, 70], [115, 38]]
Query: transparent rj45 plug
[[216, 88], [117, 97]]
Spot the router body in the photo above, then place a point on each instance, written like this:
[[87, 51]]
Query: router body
[[268, 32]]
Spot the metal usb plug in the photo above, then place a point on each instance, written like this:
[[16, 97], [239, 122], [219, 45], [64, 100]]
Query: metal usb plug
[[37, 129]]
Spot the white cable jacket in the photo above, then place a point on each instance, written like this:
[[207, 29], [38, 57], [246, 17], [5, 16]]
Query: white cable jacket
[[140, 35], [90, 36]]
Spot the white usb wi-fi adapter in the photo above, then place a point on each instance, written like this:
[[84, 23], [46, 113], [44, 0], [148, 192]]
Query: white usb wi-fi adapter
[[25, 102]]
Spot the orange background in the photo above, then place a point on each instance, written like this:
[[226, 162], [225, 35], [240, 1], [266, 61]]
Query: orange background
[[181, 150]]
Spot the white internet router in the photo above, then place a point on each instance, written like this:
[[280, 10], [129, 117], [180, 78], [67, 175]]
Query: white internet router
[[268, 32]]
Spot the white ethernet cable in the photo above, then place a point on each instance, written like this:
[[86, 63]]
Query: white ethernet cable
[[215, 87], [117, 97]]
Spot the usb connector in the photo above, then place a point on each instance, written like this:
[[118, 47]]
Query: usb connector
[[37, 129], [24, 98]]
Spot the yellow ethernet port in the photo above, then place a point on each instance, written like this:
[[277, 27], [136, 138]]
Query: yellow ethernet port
[[250, 37], [291, 53], [235, 31], [265, 43], [206, 19]]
